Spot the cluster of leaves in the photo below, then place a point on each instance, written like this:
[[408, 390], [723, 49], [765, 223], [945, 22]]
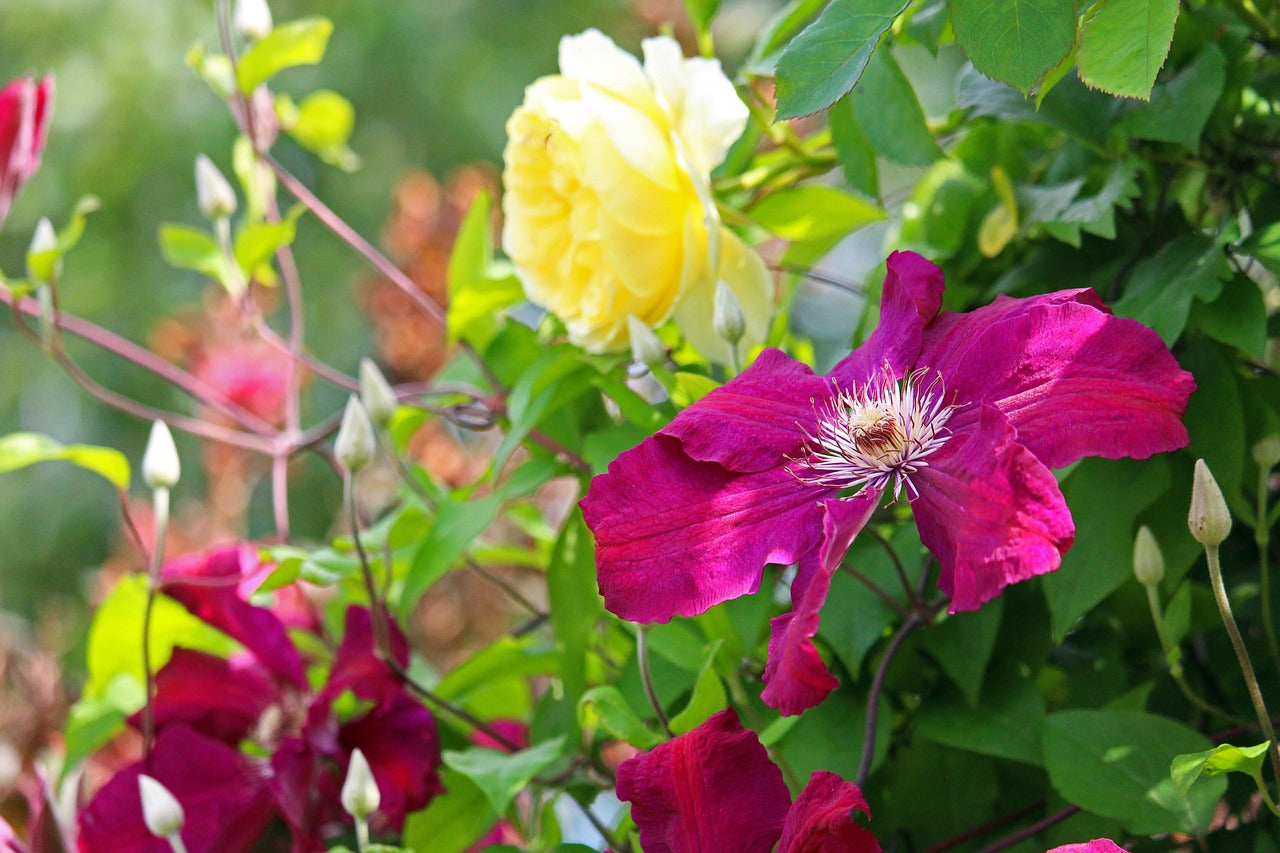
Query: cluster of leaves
[[1027, 176]]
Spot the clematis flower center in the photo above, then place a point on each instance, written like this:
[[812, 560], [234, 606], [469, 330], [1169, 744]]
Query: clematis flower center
[[875, 435]]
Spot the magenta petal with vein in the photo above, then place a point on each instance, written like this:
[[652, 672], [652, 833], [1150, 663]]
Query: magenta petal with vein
[[712, 790], [675, 536], [821, 819], [795, 676]]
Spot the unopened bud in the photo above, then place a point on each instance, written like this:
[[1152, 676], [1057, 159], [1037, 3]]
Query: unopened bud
[[1209, 519], [1266, 453], [645, 346], [1148, 562], [160, 466], [355, 443], [641, 380], [726, 317], [253, 19], [161, 811], [43, 241], [360, 795], [213, 194], [44, 238], [376, 394]]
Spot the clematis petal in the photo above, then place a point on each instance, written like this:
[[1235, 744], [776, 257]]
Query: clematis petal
[[675, 536], [306, 791], [821, 820], [989, 510], [911, 297], [795, 676], [1072, 379], [1097, 845], [25, 107], [757, 420], [399, 740], [357, 665], [208, 586], [712, 790], [217, 697], [225, 803]]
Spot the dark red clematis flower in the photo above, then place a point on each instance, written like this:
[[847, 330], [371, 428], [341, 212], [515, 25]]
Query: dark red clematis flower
[[964, 414], [714, 790], [205, 706], [25, 107]]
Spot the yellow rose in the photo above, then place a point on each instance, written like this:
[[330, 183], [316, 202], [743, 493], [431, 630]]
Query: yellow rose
[[608, 199]]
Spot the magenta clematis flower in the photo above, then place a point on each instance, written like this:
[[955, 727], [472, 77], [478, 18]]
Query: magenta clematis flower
[[25, 106], [714, 790], [206, 706], [961, 414], [1097, 845]]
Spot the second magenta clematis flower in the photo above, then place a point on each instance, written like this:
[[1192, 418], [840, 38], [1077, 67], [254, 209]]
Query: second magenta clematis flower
[[963, 415], [25, 106]]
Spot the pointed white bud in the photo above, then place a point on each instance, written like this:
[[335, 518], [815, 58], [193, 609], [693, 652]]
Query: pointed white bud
[[213, 194], [160, 809], [1148, 562], [726, 317], [360, 795], [44, 238], [253, 19], [1209, 518], [1266, 453], [641, 380], [376, 394], [645, 346], [355, 443], [160, 466]]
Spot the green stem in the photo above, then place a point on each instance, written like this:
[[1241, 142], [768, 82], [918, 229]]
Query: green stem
[[362, 834], [160, 500], [642, 658], [1262, 536], [175, 841], [1242, 655], [1171, 654]]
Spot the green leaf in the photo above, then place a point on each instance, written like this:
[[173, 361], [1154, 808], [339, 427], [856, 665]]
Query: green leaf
[[1161, 288], [778, 30], [689, 388], [41, 266], [502, 775], [1179, 108], [507, 658], [810, 212], [826, 59], [322, 123], [20, 449], [1237, 318], [962, 646], [1215, 421], [1124, 43], [192, 249], [1116, 764], [115, 637], [1102, 557], [708, 695], [258, 242], [1004, 723], [300, 42], [1014, 41], [479, 290], [457, 525], [1224, 758], [853, 147], [604, 707], [701, 12], [574, 602], [94, 720], [890, 114], [453, 820]]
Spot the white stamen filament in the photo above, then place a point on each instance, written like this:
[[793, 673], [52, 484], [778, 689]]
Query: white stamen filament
[[880, 433]]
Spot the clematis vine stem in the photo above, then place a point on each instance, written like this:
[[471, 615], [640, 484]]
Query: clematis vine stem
[[914, 621], [1262, 538], [160, 500], [642, 659], [1030, 831]]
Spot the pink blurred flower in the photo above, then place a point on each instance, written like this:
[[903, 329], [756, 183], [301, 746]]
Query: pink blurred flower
[[714, 790], [25, 106], [963, 413], [249, 373], [1097, 845]]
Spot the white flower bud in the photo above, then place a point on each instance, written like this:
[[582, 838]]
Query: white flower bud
[[360, 795], [213, 194], [44, 238], [355, 443], [160, 466], [641, 380], [1148, 562], [645, 346], [1266, 453], [726, 317], [376, 394], [253, 19], [160, 809], [1209, 518]]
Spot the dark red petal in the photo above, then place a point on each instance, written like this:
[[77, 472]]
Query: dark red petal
[[675, 536], [795, 676], [713, 790], [359, 668], [821, 819], [399, 740], [223, 794], [220, 698], [989, 510], [1072, 379]]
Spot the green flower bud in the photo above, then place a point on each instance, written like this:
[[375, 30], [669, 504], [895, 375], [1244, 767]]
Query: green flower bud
[[645, 346], [1209, 518], [726, 316], [1266, 453], [376, 394], [355, 443], [1148, 562], [214, 195]]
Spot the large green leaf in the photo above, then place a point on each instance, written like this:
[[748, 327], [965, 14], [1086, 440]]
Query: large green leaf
[[606, 708], [1180, 107], [575, 604], [826, 59], [20, 449], [1223, 758], [962, 646], [853, 147], [456, 527], [502, 775], [890, 114], [1161, 287], [1004, 724], [1015, 41], [811, 212], [300, 42], [479, 290], [1116, 763], [192, 249], [1124, 43], [454, 820]]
